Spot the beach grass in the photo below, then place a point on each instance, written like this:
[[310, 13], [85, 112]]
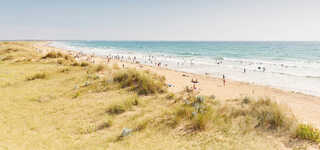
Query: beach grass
[[48, 104]]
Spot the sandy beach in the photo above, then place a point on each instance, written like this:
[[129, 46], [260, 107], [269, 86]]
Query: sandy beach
[[305, 107]]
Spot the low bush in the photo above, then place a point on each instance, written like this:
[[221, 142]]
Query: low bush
[[308, 132], [141, 82]]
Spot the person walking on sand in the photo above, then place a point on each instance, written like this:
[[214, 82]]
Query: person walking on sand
[[224, 80]]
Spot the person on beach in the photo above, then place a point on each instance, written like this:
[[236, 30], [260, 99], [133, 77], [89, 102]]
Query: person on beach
[[194, 80], [224, 80]]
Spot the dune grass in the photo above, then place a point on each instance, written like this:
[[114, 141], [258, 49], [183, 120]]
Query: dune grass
[[142, 82], [41, 75], [308, 132], [78, 108]]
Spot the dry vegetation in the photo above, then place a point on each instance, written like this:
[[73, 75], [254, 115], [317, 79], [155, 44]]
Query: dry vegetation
[[52, 101]]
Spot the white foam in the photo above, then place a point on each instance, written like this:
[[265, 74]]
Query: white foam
[[300, 76]]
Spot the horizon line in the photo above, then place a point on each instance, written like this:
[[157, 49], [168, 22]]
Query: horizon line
[[172, 40]]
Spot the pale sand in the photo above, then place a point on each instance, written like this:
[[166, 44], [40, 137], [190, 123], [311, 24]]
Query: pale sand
[[305, 107]]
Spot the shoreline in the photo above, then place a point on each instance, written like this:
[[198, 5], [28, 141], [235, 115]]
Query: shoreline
[[209, 85], [286, 75]]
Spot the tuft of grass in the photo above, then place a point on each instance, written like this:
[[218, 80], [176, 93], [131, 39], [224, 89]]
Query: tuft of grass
[[118, 108], [308, 132], [76, 95], [105, 124], [51, 54], [183, 112], [75, 64], [197, 113], [6, 58], [200, 121], [64, 70], [141, 125], [59, 55], [60, 61], [41, 75], [115, 66], [99, 68], [246, 100], [270, 115], [170, 96], [7, 50], [84, 64], [141, 82]]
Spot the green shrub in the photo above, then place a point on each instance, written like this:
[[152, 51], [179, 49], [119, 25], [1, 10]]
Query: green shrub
[[36, 76], [308, 132], [141, 82]]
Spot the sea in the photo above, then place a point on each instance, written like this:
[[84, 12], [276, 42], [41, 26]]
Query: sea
[[291, 66]]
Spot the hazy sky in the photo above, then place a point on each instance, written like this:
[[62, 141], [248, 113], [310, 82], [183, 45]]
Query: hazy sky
[[160, 19]]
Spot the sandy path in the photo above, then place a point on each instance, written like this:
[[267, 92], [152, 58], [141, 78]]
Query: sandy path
[[305, 107]]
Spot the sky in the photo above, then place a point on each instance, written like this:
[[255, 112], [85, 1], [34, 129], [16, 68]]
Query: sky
[[194, 20]]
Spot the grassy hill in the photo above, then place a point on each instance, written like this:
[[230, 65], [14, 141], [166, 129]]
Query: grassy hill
[[51, 101]]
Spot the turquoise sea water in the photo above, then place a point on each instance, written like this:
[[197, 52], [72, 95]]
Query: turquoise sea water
[[286, 65]]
